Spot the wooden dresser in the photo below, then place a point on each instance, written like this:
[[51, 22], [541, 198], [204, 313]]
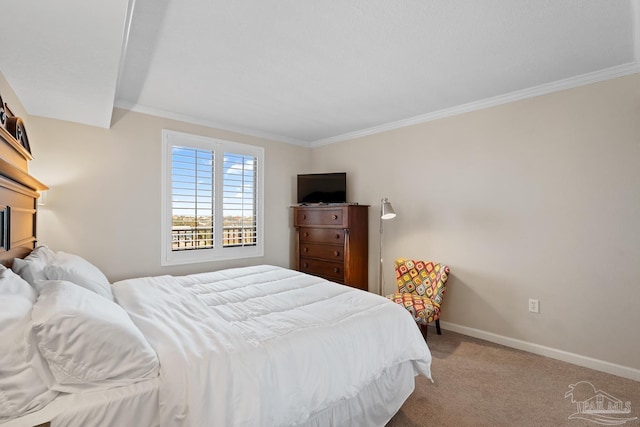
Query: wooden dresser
[[332, 241]]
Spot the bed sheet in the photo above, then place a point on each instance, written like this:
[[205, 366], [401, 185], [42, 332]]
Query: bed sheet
[[266, 345], [132, 405]]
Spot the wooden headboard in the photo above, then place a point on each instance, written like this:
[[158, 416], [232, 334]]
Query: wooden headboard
[[19, 191]]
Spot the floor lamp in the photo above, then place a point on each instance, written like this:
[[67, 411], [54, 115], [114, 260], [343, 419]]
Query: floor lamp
[[386, 212]]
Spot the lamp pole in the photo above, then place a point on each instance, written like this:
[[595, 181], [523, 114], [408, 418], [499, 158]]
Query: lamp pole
[[386, 212]]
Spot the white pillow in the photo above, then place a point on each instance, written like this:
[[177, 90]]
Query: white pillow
[[31, 268], [78, 270], [21, 389], [79, 341]]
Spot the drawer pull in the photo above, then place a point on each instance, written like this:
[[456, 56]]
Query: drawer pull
[[306, 234], [305, 249], [334, 216], [336, 270], [304, 217], [305, 265], [337, 236], [336, 253]]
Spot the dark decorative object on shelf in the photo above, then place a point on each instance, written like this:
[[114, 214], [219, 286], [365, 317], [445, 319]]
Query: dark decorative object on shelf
[[13, 125], [3, 114]]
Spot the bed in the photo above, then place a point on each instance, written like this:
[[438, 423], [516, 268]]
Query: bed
[[252, 346]]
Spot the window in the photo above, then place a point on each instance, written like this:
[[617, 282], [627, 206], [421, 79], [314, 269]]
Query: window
[[212, 199]]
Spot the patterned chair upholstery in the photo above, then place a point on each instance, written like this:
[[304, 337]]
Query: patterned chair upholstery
[[421, 287]]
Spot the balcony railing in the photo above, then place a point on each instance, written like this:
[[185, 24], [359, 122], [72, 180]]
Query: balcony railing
[[184, 238]]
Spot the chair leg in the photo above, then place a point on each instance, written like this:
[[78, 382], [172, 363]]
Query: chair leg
[[423, 330], [438, 327]]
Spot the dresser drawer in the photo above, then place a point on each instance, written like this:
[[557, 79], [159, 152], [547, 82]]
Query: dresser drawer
[[327, 252], [329, 270], [322, 235], [327, 217]]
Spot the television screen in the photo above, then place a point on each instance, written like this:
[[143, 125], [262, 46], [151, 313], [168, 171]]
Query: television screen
[[322, 188]]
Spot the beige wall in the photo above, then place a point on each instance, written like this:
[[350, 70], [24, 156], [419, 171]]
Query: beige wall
[[104, 202], [533, 199]]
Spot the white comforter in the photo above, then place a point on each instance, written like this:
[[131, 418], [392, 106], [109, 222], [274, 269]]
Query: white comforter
[[264, 345]]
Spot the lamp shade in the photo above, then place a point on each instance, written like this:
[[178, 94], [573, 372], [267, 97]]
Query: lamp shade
[[42, 198], [386, 210]]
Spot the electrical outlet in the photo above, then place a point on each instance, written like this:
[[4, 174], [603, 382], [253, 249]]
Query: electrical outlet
[[534, 306]]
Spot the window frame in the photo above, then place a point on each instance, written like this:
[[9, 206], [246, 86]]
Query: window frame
[[172, 139]]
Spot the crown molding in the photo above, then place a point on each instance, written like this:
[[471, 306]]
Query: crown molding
[[548, 88], [129, 106], [569, 83]]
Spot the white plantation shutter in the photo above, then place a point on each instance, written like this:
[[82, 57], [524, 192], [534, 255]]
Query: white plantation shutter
[[239, 200], [192, 202], [212, 199]]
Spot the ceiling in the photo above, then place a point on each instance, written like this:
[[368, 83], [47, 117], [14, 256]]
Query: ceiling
[[306, 72]]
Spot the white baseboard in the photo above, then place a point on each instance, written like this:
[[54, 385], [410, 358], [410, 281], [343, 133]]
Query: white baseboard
[[576, 359]]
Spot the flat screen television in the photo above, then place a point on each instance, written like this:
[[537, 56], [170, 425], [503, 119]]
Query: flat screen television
[[322, 188]]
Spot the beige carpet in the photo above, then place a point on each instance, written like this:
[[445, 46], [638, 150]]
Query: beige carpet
[[478, 383]]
